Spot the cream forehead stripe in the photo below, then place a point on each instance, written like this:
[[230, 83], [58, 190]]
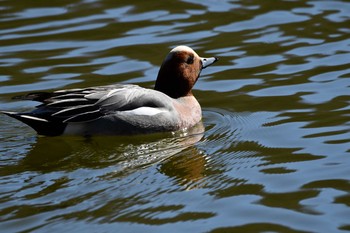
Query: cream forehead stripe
[[183, 48], [180, 48]]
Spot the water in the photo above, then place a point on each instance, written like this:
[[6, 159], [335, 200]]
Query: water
[[275, 154]]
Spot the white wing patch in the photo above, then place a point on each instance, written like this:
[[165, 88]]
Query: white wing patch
[[146, 111]]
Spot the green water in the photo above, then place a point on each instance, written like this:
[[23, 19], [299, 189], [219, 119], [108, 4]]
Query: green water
[[275, 154]]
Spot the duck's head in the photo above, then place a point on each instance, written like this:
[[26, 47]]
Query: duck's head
[[180, 71]]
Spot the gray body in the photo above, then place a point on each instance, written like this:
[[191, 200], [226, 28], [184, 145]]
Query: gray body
[[108, 110]]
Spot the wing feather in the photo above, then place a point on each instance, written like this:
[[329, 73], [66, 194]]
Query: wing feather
[[76, 110], [65, 103], [81, 105], [84, 116]]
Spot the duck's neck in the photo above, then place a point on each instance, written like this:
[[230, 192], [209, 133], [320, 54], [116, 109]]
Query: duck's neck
[[171, 83]]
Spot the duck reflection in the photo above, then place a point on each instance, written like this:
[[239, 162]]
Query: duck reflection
[[176, 154], [188, 168]]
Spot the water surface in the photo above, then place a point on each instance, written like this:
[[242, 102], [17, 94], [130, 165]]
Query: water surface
[[275, 152]]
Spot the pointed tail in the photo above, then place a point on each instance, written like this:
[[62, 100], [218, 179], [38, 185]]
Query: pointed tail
[[40, 125]]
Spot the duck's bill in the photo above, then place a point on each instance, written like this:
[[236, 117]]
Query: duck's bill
[[208, 61]]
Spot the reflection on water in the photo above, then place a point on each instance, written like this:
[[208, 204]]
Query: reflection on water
[[130, 154], [274, 155]]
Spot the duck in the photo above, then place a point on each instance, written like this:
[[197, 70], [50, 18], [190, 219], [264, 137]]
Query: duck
[[123, 109]]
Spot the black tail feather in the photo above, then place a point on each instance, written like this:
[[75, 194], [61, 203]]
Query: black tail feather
[[41, 126]]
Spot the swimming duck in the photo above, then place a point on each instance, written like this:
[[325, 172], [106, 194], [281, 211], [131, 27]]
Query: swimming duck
[[123, 109]]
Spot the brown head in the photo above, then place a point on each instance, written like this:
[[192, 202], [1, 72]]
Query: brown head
[[180, 71]]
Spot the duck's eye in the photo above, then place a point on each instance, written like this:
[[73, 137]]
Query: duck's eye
[[190, 60]]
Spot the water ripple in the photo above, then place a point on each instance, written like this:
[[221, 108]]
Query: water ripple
[[262, 21]]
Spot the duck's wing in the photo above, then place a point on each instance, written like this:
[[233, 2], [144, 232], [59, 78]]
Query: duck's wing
[[50, 97], [82, 105], [59, 106], [108, 101]]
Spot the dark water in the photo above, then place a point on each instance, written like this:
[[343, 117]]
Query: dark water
[[275, 155]]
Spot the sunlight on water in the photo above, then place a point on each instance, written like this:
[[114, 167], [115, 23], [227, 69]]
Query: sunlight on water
[[273, 155]]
